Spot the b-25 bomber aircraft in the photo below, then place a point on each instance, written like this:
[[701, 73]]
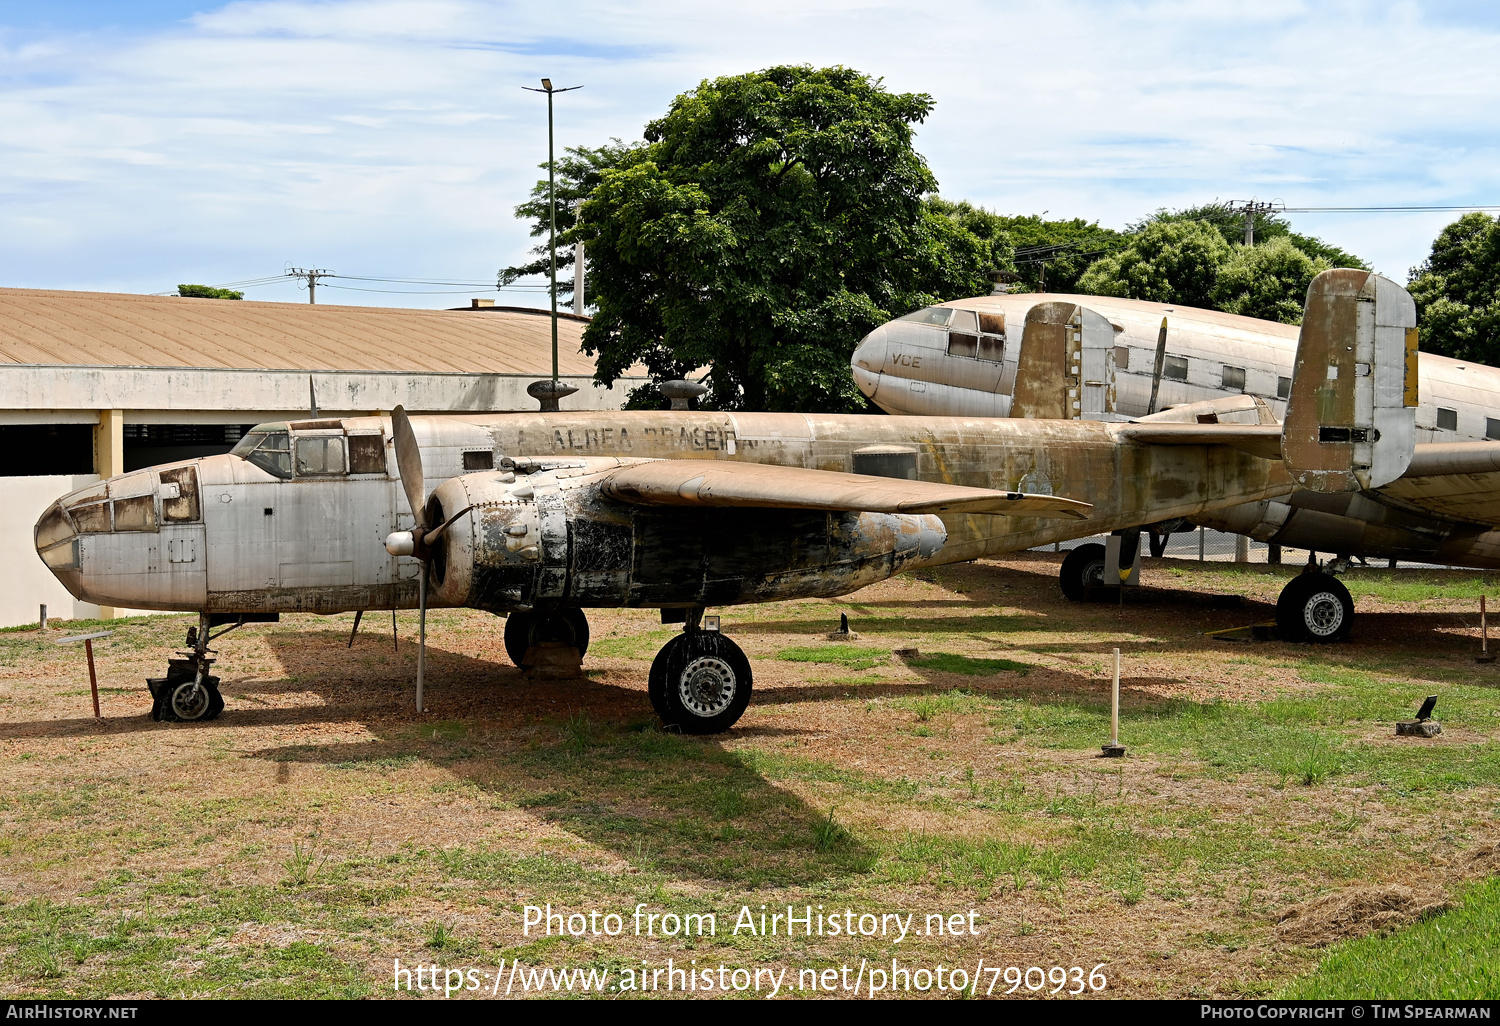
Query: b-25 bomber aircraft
[[1097, 357], [541, 516]]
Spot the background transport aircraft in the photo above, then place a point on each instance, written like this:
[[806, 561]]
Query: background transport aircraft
[[1095, 357], [540, 516]]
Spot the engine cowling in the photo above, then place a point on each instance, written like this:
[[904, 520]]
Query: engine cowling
[[548, 536]]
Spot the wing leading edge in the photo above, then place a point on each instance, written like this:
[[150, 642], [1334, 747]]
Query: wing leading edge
[[727, 483]]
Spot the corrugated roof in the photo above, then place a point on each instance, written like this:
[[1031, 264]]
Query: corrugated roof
[[109, 329]]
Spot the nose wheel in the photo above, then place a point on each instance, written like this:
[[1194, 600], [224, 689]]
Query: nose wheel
[[700, 682]]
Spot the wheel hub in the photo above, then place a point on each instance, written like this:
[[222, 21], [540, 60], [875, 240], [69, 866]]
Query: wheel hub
[[707, 686], [1323, 614], [1093, 575], [189, 702]]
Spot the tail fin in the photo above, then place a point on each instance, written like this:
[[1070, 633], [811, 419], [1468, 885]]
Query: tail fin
[[1351, 419], [1066, 367]]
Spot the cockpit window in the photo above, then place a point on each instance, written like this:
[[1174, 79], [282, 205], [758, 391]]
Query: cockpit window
[[319, 455], [963, 320], [271, 451], [938, 315]]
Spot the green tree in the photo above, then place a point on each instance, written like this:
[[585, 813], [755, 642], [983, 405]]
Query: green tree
[[1457, 290], [1165, 262], [579, 171], [769, 222], [1267, 280], [1050, 256], [1268, 225], [207, 292]]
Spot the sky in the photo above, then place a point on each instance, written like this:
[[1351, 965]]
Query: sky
[[149, 144]]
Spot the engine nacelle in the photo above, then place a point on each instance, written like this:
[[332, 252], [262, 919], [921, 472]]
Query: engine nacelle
[[548, 537]]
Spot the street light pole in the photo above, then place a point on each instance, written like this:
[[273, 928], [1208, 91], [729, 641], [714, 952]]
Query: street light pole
[[552, 211]]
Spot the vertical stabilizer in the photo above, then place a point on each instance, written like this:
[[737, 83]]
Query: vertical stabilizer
[[1066, 368], [1351, 419]]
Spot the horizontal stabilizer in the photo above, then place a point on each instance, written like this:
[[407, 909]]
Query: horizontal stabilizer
[[725, 483], [1263, 440], [1452, 480]]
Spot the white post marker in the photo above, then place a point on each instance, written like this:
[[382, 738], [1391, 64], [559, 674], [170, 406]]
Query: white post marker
[[1114, 749], [88, 647]]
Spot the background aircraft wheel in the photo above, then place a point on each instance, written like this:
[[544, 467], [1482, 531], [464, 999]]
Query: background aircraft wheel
[[1314, 608], [189, 705], [1084, 568], [566, 626], [700, 683]]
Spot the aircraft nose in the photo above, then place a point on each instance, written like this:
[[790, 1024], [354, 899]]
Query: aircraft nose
[[57, 544], [867, 360]]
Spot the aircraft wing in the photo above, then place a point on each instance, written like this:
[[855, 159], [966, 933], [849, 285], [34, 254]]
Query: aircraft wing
[[728, 483], [1452, 480]]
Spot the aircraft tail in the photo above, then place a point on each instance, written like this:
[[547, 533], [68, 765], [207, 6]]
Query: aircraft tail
[[1351, 420]]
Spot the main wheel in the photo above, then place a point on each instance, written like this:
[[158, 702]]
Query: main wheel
[[700, 683], [1314, 608], [562, 626], [1083, 569]]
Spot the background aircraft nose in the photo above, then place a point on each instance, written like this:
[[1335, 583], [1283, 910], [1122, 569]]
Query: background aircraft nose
[[867, 361]]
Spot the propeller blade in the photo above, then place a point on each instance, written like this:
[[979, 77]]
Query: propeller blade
[[409, 464], [437, 532], [421, 632]]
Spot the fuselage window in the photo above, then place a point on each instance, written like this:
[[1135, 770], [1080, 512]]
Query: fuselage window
[[992, 323], [963, 345], [1492, 428], [1175, 368], [938, 315], [271, 451], [1283, 388], [481, 459], [320, 455], [1447, 420], [991, 348], [367, 454], [1234, 377], [1122, 357]]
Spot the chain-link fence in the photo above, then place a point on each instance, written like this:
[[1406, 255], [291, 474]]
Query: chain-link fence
[[1215, 546]]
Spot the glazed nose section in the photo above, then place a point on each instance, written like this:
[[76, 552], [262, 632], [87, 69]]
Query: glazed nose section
[[867, 361], [57, 544]]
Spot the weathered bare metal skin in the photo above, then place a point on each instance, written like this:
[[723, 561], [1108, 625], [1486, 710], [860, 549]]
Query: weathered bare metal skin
[[320, 548]]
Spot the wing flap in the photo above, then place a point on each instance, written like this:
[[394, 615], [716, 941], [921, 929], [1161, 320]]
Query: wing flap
[[729, 483]]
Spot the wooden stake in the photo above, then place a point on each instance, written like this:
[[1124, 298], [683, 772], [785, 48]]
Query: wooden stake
[[1114, 716], [88, 647]]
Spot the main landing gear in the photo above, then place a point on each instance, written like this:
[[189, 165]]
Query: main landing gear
[[1315, 606], [700, 680], [1082, 569]]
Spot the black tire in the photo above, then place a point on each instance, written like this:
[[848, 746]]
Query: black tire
[[700, 683], [1314, 608], [522, 630], [183, 705], [1083, 569]]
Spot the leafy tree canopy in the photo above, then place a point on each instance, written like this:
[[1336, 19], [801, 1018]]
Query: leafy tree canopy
[[1457, 290], [1268, 280], [1165, 262], [1268, 225], [768, 223], [1050, 256], [207, 292]]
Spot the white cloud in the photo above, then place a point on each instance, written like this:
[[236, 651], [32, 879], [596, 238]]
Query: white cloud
[[394, 137]]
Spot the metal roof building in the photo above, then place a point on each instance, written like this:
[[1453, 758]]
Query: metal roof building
[[94, 384]]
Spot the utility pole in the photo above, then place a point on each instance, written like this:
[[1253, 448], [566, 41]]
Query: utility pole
[[552, 208], [1251, 208], [312, 274]]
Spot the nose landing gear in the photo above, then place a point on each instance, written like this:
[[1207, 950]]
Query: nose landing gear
[[700, 681], [188, 693]]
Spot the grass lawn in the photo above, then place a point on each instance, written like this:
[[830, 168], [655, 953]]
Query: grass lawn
[[321, 829]]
